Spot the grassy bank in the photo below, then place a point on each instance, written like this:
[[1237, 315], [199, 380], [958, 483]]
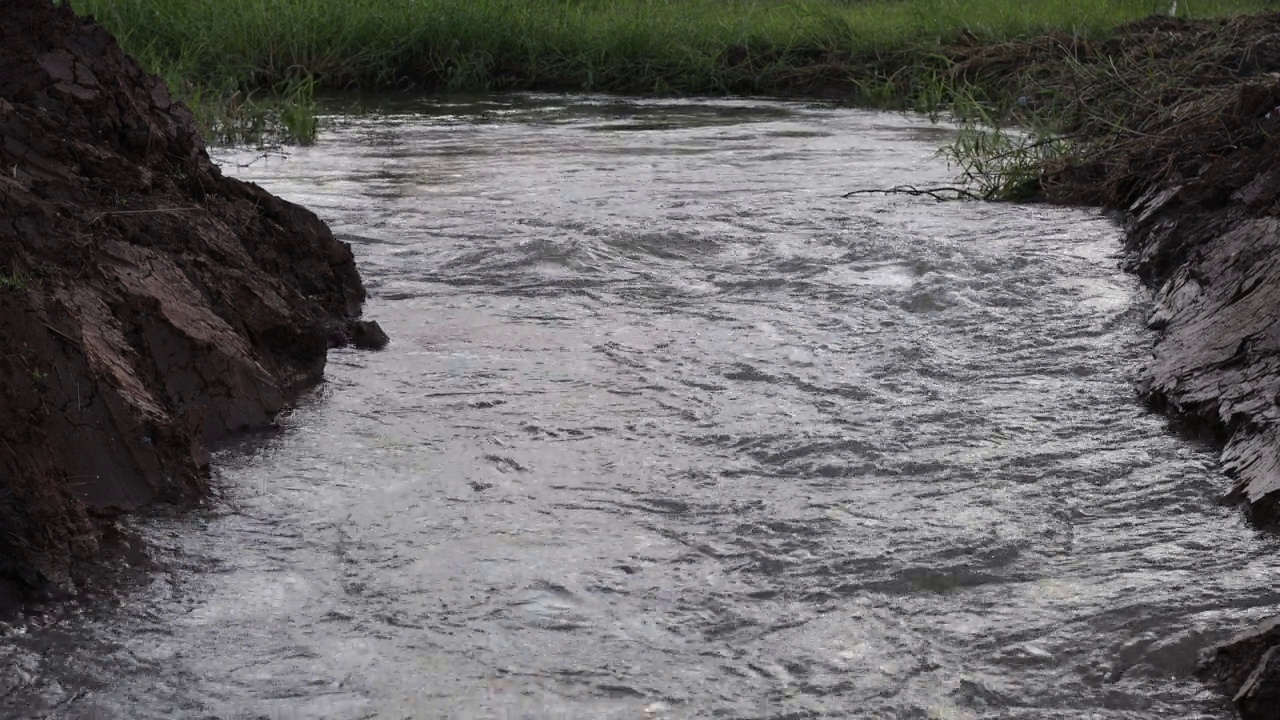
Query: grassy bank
[[231, 58], [1099, 104]]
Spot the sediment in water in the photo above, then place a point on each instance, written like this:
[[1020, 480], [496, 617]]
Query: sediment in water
[[148, 305]]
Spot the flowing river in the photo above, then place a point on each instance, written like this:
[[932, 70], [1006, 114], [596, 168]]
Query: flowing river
[[669, 429]]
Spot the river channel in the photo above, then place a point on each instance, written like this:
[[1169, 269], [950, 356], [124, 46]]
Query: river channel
[[669, 429]]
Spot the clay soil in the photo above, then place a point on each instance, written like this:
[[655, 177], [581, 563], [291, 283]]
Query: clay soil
[[148, 305]]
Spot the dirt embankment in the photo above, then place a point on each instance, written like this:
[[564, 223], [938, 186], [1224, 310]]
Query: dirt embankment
[[1179, 124], [148, 305], [1194, 157], [1208, 241]]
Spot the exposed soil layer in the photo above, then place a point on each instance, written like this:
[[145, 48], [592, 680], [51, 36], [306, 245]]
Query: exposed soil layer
[[148, 305], [1208, 241], [1202, 187]]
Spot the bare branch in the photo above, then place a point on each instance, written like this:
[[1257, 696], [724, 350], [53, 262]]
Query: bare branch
[[937, 193]]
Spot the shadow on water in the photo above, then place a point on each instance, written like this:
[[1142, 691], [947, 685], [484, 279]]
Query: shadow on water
[[669, 430]]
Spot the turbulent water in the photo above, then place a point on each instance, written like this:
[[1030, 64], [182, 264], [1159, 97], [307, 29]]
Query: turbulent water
[[669, 429]]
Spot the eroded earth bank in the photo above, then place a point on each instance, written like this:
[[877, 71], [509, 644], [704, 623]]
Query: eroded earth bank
[[1204, 233], [1178, 123], [148, 305]]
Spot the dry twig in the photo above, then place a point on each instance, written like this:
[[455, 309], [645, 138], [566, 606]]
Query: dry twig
[[937, 193]]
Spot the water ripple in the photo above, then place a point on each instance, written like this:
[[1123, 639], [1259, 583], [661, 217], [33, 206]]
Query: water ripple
[[669, 430]]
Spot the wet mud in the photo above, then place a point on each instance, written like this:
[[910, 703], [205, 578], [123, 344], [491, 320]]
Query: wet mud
[[148, 304]]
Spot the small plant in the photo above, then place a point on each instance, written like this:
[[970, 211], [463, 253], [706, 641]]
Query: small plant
[[297, 112], [1003, 164], [15, 281], [38, 376], [300, 124]]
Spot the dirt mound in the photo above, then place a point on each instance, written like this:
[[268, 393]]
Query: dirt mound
[[148, 304]]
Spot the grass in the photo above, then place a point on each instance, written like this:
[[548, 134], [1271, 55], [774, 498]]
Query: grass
[[14, 282], [1061, 98], [1105, 121], [250, 66]]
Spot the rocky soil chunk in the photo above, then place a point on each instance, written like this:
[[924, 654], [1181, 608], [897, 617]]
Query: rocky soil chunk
[[148, 305]]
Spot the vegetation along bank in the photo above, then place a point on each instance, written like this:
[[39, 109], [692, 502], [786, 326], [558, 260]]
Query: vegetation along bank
[[1102, 102]]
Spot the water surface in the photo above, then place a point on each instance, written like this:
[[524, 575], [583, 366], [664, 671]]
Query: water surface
[[668, 429]]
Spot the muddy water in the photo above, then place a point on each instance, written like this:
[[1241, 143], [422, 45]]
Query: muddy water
[[670, 430]]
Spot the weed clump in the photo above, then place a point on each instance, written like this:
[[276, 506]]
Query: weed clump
[[15, 281], [1102, 121]]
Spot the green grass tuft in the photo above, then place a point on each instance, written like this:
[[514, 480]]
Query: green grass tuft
[[14, 282]]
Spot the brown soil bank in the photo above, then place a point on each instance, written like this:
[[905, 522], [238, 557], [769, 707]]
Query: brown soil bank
[[1178, 123], [148, 304]]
